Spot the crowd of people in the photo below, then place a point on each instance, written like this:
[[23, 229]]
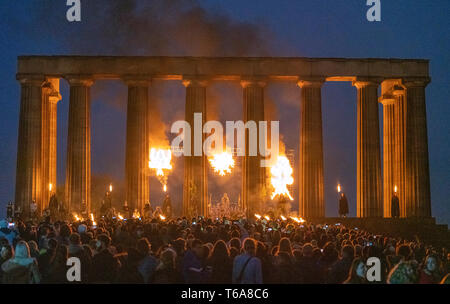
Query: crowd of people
[[199, 250]]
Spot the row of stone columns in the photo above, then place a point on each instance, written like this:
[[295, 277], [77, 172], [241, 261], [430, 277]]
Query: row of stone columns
[[405, 147]]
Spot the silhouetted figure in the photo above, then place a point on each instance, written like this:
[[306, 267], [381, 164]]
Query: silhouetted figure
[[167, 206], [53, 205], [343, 205], [9, 211], [148, 210], [395, 206]]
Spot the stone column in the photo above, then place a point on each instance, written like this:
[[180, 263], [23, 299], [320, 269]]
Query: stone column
[[78, 170], [418, 175], [253, 175], [195, 188], [51, 97], [28, 173], [369, 199], [389, 155], [400, 147], [311, 197], [137, 153]]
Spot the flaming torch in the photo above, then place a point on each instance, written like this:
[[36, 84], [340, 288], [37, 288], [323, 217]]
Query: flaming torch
[[160, 161], [258, 216], [339, 188], [222, 163], [110, 187], [267, 217], [162, 217], [395, 189], [281, 177]]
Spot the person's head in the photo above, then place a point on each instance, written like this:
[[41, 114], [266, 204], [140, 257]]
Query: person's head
[[167, 258], [62, 253], [404, 251], [348, 252], [143, 246], [206, 251], [431, 263], [3, 224], [404, 272], [103, 242], [75, 239], [7, 252], [22, 250], [220, 251], [358, 270], [33, 246], [65, 231], [179, 245], [52, 243], [235, 243], [82, 229], [285, 245], [197, 247], [307, 250], [249, 246]]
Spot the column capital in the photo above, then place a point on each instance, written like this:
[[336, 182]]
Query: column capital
[[362, 82], [79, 80], [386, 99], [33, 79], [53, 95], [313, 82], [195, 81], [137, 80], [411, 82], [253, 81]]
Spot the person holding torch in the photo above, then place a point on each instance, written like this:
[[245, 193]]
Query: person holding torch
[[343, 203], [395, 205]]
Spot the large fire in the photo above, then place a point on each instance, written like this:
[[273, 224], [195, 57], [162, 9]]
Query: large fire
[[160, 161], [222, 163], [281, 177]]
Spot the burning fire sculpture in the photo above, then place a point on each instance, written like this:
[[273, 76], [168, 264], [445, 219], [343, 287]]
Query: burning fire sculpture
[[160, 161], [281, 177], [222, 163]]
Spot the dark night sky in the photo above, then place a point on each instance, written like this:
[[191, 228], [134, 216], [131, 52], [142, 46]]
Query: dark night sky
[[315, 28]]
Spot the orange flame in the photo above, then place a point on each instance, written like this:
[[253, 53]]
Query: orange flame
[[281, 177], [222, 163]]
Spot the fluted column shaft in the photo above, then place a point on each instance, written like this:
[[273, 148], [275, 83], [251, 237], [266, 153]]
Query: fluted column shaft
[[195, 188], [53, 113], [137, 153], [28, 174], [400, 148], [418, 174], [253, 175], [78, 170], [369, 199], [51, 96], [389, 156], [311, 196]]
